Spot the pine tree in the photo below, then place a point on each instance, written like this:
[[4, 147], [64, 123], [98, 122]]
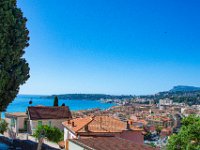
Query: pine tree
[[55, 103], [14, 70]]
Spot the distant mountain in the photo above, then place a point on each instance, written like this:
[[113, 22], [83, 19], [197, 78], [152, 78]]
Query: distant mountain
[[90, 96], [181, 94], [182, 88]]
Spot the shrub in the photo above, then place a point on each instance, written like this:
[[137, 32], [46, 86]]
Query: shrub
[[51, 133], [3, 126]]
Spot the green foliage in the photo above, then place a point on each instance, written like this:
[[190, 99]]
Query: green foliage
[[152, 145], [188, 97], [14, 69], [51, 133], [189, 136], [3, 126], [190, 120], [147, 136], [55, 103], [158, 129]]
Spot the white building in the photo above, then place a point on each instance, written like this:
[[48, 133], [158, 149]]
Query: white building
[[43, 115], [165, 101]]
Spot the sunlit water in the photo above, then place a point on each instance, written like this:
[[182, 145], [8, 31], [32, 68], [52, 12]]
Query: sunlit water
[[21, 103]]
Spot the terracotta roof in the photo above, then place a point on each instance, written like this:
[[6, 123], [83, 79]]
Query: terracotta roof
[[79, 123], [43, 112], [109, 143], [144, 122], [159, 118], [166, 130], [97, 124]]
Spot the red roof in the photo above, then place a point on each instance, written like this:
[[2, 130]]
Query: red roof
[[109, 143], [43, 112], [98, 124]]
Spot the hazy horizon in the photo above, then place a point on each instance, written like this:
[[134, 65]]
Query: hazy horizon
[[104, 93]]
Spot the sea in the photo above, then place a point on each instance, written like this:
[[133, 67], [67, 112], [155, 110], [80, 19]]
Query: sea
[[21, 102]]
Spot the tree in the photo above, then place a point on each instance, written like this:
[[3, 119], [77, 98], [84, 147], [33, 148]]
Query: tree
[[158, 129], [51, 133], [3, 126], [152, 144], [14, 70], [189, 136], [147, 136], [63, 104], [30, 102], [55, 103]]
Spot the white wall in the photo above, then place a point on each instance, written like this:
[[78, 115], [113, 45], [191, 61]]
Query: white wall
[[14, 129], [68, 134], [73, 146]]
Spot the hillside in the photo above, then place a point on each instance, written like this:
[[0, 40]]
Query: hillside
[[181, 94], [182, 88], [90, 96]]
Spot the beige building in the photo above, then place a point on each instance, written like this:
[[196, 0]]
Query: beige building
[[52, 116], [17, 121], [160, 121], [35, 116]]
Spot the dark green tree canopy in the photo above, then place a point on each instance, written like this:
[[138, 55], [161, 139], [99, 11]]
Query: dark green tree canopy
[[14, 70], [189, 136], [55, 103]]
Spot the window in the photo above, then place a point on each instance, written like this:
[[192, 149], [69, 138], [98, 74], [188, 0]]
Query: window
[[12, 124], [50, 123], [25, 124], [39, 123]]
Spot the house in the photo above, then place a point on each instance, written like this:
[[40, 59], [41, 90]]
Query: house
[[105, 143], [165, 101], [101, 126], [165, 132], [150, 128], [52, 116], [138, 123], [17, 121], [157, 120]]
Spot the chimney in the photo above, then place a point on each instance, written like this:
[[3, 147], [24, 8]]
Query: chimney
[[100, 122], [127, 126], [73, 125], [131, 122], [68, 121], [86, 128]]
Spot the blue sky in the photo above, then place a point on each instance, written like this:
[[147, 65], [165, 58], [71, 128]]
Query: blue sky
[[111, 46]]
